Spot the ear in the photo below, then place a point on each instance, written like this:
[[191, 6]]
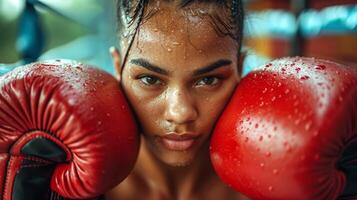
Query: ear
[[114, 52]]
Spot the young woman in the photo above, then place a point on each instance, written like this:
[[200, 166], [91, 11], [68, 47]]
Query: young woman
[[178, 65]]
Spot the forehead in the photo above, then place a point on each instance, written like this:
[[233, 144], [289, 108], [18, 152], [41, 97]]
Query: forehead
[[179, 34]]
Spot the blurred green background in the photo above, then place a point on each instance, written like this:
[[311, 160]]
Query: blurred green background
[[82, 30]]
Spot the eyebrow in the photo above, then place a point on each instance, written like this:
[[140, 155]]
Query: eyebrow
[[149, 66], [212, 66], [146, 64]]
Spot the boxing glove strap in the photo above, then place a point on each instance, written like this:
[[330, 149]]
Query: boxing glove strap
[[30, 166]]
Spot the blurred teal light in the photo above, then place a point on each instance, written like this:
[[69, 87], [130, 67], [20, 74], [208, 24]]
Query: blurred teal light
[[335, 19], [270, 23]]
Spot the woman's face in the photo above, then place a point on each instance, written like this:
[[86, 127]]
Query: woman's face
[[178, 76]]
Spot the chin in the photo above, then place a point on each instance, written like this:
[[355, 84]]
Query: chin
[[174, 159]]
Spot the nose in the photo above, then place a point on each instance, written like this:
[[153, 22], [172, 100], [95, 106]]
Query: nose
[[180, 108]]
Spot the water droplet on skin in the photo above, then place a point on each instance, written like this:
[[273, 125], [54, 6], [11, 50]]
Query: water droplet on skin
[[108, 114], [320, 67], [169, 49], [270, 188], [202, 12], [99, 122], [175, 43], [262, 165], [91, 108], [273, 98], [193, 13], [268, 154], [275, 171]]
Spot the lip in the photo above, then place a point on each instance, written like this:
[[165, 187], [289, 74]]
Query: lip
[[178, 141]]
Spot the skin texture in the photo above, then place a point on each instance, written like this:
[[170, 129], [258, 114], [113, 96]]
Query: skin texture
[[180, 97]]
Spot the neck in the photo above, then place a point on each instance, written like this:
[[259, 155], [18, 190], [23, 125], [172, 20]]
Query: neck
[[175, 181]]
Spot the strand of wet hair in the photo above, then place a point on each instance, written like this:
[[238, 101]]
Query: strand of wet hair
[[140, 8]]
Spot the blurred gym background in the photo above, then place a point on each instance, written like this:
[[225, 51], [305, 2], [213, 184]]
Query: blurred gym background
[[83, 30]]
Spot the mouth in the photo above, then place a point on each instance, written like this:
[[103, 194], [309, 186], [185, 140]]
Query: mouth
[[178, 141]]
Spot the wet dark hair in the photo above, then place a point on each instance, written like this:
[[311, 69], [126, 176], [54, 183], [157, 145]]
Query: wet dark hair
[[133, 13]]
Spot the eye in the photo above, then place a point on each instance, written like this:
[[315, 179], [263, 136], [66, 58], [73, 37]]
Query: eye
[[209, 81], [149, 80]]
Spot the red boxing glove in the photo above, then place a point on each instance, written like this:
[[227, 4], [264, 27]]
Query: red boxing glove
[[290, 132], [65, 131]]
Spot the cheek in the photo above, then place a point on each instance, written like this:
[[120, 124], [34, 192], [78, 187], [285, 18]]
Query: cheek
[[146, 106], [212, 106]]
